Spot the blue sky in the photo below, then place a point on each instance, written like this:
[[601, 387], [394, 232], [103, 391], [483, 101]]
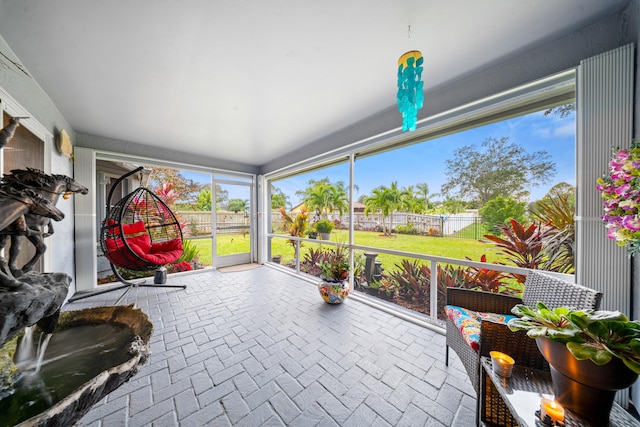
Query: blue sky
[[425, 162]]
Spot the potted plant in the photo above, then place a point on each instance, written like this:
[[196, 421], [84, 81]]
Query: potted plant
[[324, 227], [592, 354], [334, 287], [312, 234], [620, 191]]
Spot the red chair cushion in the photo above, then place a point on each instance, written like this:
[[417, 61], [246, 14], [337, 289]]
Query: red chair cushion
[[160, 253], [157, 253], [118, 254], [135, 228], [143, 242]]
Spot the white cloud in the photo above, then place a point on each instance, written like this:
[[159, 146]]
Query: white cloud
[[567, 129]]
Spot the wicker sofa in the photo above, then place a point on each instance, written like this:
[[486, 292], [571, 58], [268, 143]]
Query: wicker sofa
[[552, 291]]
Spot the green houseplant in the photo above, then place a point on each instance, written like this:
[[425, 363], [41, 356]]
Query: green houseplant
[[335, 266], [598, 336], [324, 227], [334, 287], [592, 354]]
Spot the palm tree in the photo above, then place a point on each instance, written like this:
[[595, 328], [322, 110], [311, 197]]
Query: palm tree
[[386, 201], [423, 193], [318, 198], [377, 203], [410, 203], [338, 199]]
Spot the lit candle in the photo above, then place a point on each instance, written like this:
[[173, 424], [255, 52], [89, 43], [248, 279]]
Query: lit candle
[[502, 363], [552, 409]]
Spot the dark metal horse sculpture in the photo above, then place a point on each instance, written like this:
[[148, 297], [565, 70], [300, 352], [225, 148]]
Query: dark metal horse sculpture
[[16, 200], [50, 187]]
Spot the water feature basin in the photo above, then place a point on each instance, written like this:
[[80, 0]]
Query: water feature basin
[[90, 353]]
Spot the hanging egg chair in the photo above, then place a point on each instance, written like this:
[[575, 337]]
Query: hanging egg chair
[[140, 233]]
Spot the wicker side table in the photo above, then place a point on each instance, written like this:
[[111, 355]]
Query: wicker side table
[[513, 401]]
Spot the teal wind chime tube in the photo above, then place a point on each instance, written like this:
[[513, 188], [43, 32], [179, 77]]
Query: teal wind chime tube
[[410, 88]]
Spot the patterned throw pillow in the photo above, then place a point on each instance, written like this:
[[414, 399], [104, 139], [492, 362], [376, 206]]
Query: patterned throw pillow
[[468, 322]]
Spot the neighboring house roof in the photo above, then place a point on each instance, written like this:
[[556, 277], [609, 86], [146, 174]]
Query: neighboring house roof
[[297, 208]]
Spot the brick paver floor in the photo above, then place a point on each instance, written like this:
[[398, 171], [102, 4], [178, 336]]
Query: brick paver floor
[[260, 348]]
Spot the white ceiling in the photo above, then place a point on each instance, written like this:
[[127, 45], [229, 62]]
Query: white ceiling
[[250, 80]]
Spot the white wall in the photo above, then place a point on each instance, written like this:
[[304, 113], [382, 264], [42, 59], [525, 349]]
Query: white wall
[[27, 94]]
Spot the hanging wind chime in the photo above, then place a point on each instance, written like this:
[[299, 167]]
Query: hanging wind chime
[[410, 88]]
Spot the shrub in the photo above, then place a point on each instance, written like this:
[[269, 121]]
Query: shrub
[[412, 279], [407, 229], [497, 213], [324, 226]]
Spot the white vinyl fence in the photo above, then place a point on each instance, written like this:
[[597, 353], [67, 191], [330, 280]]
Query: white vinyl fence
[[199, 222], [434, 225]]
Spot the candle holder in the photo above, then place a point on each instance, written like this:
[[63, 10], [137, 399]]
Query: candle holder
[[550, 414], [502, 364]]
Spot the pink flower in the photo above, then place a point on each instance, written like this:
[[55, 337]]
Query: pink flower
[[623, 189], [620, 191], [631, 222]]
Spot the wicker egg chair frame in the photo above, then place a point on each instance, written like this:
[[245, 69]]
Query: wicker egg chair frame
[[140, 233]]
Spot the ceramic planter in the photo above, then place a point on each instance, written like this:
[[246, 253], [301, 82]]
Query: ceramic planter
[[334, 291]]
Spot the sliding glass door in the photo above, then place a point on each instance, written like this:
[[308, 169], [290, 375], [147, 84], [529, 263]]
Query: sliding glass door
[[233, 239]]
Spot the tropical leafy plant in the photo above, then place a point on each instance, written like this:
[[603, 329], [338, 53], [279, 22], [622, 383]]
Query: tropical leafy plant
[[166, 193], [296, 226], [359, 261], [486, 279], [452, 277], [190, 252], [598, 336], [556, 212], [335, 266], [412, 279], [523, 246], [314, 256]]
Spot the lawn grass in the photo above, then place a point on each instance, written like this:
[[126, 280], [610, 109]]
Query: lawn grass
[[449, 247], [227, 244]]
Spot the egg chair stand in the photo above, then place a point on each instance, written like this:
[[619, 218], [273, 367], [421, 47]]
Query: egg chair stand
[[140, 233]]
